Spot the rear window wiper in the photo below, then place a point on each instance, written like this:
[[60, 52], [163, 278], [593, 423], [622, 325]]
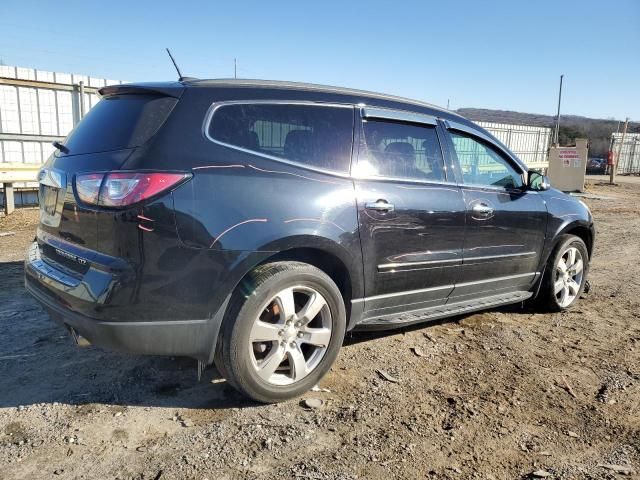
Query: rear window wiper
[[60, 147]]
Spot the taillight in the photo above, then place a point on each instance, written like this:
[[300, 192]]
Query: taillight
[[121, 189], [88, 187]]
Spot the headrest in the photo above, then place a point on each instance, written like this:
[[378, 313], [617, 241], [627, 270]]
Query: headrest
[[253, 142], [403, 148], [430, 148], [298, 144]]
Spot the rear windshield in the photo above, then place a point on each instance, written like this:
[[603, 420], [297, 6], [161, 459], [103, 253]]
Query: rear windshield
[[119, 121]]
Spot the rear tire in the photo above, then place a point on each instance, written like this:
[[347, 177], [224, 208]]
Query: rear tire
[[565, 275], [282, 331]]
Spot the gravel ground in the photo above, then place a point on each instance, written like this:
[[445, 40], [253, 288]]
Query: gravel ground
[[504, 394]]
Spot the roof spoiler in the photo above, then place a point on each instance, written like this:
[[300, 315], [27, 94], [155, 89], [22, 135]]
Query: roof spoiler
[[173, 89]]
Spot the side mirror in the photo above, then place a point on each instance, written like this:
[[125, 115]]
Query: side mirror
[[538, 181]]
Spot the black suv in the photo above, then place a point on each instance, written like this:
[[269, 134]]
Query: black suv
[[253, 223]]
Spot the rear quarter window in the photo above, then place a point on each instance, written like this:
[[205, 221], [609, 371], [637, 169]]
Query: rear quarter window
[[314, 135], [118, 122]]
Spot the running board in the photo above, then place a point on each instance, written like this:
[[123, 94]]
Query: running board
[[442, 311]]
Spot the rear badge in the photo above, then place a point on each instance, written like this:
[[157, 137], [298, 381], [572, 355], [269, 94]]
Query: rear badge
[[71, 256]]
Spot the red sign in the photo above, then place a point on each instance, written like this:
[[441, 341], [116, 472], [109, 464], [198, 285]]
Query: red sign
[[567, 155]]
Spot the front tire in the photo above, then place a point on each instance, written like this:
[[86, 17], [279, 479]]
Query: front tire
[[566, 274], [282, 332]]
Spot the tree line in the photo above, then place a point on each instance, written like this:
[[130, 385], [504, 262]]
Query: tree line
[[598, 131]]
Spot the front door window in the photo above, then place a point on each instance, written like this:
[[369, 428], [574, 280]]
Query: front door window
[[482, 165]]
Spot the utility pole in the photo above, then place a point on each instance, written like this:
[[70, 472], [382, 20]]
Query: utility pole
[[235, 68], [614, 167], [557, 132], [447, 104]]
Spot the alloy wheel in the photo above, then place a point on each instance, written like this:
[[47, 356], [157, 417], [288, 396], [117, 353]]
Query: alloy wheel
[[290, 336], [568, 276]]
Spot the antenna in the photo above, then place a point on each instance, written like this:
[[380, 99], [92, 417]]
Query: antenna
[[175, 65]]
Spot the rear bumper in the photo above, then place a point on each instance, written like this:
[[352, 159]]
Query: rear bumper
[[189, 338], [99, 308]]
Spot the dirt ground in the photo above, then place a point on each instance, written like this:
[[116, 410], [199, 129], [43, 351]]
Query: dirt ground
[[504, 394]]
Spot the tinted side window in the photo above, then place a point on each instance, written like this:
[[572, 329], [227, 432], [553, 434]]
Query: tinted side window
[[482, 165], [315, 135], [401, 150]]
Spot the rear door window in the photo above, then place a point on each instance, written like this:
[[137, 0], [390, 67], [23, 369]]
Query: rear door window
[[402, 150], [315, 135], [118, 122]]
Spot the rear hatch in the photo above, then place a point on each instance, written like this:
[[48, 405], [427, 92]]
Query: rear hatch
[[125, 119]]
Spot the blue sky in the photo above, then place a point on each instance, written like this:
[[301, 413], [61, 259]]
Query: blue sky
[[488, 54]]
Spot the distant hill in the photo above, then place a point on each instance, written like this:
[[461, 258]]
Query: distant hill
[[598, 131]]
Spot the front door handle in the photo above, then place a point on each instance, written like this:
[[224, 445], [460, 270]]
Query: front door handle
[[380, 205], [482, 210]]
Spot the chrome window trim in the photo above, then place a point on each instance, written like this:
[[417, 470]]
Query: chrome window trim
[[502, 190], [496, 188], [453, 125], [378, 113], [417, 118], [216, 105], [375, 178]]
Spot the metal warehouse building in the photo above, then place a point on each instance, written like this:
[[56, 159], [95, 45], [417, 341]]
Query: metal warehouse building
[[531, 144], [39, 107], [629, 161]]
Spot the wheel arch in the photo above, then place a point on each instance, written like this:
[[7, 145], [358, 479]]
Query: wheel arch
[[325, 261], [581, 229], [583, 232], [342, 263], [343, 267]]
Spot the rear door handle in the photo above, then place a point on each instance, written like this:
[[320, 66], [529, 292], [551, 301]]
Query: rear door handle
[[380, 205]]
